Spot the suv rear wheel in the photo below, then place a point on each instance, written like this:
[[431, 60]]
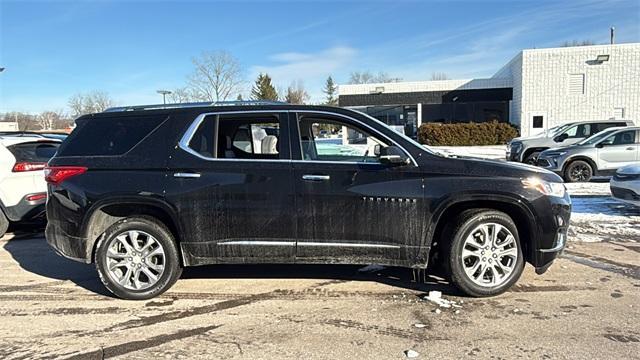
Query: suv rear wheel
[[485, 257], [137, 258], [578, 171]]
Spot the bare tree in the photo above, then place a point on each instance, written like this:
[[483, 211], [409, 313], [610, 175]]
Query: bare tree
[[92, 102], [217, 76], [296, 94], [181, 95], [439, 76], [366, 77], [25, 122]]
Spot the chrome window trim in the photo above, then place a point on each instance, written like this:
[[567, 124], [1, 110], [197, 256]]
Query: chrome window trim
[[189, 133]]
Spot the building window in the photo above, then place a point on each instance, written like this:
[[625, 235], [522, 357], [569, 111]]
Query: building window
[[618, 113], [538, 122], [576, 84]]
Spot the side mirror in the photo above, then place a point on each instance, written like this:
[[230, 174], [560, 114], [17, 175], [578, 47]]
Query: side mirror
[[600, 145], [393, 155], [376, 150], [561, 137]]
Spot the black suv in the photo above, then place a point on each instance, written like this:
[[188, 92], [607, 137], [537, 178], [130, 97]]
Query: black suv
[[145, 191]]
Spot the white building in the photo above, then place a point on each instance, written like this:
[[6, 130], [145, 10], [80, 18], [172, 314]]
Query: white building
[[536, 90]]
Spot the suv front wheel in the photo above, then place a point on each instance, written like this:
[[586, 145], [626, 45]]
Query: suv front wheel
[[578, 171], [137, 258], [485, 257]]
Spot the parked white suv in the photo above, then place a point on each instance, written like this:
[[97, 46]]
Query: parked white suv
[[23, 191], [527, 149]]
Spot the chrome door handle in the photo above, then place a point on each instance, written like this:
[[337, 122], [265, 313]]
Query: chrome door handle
[[631, 148], [316, 177], [186, 175]]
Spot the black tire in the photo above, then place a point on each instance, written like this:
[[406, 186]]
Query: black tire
[[4, 224], [532, 159], [458, 231], [172, 269], [578, 171]]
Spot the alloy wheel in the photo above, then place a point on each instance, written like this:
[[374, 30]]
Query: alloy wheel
[[489, 255], [135, 260], [580, 172]]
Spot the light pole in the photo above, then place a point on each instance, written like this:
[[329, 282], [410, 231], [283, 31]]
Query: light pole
[[164, 94]]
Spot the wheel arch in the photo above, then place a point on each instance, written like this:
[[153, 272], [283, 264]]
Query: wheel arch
[[517, 209], [107, 212], [588, 160], [531, 150]]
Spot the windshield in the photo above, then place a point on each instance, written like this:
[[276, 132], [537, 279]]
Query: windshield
[[597, 137], [557, 129]]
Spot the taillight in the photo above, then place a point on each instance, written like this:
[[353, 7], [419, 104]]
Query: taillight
[[57, 174], [28, 166], [36, 197]]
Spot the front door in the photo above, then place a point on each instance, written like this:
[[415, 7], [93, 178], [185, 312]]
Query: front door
[[350, 207], [618, 150], [230, 182]]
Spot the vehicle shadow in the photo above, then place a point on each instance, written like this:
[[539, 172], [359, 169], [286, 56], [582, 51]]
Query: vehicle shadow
[[32, 253], [393, 276], [30, 250]]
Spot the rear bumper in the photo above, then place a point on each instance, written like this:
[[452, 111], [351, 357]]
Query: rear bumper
[[71, 247], [26, 210]]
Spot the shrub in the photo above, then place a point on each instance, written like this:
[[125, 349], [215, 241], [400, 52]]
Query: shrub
[[466, 134]]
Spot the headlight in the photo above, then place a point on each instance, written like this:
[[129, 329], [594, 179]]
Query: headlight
[[545, 187]]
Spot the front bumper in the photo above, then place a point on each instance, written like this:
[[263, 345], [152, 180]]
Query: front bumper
[[625, 190], [552, 221], [551, 163], [71, 247], [513, 153]]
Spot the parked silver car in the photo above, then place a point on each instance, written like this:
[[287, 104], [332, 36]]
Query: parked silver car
[[625, 184], [527, 149], [600, 155]]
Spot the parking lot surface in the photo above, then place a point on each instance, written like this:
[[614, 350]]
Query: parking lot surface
[[586, 306]]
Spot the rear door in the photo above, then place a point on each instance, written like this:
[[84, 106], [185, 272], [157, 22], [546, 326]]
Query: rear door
[[619, 149], [230, 180], [350, 208]]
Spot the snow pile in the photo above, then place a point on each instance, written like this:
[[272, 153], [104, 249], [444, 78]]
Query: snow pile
[[589, 189], [436, 298], [603, 219], [488, 152]]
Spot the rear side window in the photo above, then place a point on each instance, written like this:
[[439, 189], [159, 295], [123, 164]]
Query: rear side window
[[109, 136], [603, 126], [34, 152]]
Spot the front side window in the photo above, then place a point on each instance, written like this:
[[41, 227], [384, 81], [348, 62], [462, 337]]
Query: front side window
[[579, 131], [332, 140], [621, 138]]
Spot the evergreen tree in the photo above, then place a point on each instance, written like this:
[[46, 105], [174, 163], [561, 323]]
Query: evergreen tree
[[263, 89], [330, 89]]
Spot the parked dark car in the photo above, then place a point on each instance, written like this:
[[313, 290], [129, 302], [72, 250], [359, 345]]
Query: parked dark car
[[144, 191]]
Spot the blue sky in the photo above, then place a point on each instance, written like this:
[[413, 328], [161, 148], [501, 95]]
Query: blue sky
[[54, 49]]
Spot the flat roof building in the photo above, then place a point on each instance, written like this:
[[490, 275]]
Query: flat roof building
[[536, 90]]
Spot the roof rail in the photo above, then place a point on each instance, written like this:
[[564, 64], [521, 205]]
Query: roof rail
[[194, 104]]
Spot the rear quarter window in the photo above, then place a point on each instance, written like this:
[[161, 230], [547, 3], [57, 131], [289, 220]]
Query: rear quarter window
[[109, 136], [36, 152]]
